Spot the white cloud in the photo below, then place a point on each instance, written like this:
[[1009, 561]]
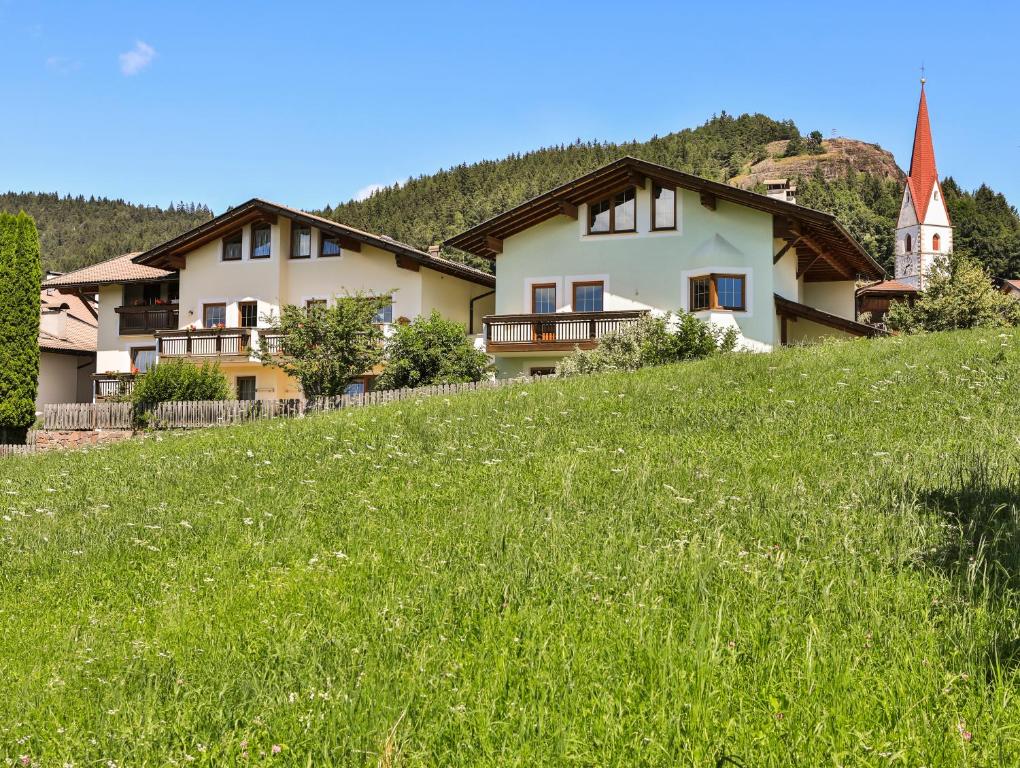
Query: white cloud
[[366, 192], [138, 58]]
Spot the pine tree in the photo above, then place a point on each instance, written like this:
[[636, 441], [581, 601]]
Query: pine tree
[[20, 277]]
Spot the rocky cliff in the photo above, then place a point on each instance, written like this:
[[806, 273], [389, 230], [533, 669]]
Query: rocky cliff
[[840, 157]]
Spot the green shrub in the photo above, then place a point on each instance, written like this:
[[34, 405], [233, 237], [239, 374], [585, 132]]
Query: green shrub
[[431, 350], [20, 276], [960, 296], [652, 340], [179, 380]]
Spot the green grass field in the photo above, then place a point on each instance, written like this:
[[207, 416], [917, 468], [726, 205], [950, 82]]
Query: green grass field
[[805, 558]]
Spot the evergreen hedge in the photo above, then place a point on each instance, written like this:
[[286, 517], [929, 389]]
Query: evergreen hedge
[[20, 278]]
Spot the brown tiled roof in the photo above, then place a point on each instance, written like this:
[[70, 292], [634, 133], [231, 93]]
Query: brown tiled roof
[[80, 330], [887, 286], [1014, 284], [120, 269], [251, 210]]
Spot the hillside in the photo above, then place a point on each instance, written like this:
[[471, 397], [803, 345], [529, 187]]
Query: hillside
[[838, 158], [76, 232], [763, 560]]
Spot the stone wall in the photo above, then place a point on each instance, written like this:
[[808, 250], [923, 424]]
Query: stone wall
[[48, 440]]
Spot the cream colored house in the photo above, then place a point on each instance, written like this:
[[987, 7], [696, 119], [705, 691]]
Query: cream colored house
[[633, 237], [67, 348], [209, 294]]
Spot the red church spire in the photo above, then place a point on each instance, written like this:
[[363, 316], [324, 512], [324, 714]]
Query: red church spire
[[923, 176]]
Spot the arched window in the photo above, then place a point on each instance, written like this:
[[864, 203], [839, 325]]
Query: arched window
[[936, 242], [908, 244]]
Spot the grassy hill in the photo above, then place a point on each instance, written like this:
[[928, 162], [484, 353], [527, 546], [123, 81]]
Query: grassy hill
[[801, 558]]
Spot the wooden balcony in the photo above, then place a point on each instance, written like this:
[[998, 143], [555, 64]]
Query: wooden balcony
[[110, 386], [553, 332], [204, 342], [148, 318]]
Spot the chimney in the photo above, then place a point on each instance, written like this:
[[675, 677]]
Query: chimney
[[434, 250], [781, 189], [54, 322]]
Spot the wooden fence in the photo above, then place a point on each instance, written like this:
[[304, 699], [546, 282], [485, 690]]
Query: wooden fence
[[78, 416], [29, 446], [207, 413]]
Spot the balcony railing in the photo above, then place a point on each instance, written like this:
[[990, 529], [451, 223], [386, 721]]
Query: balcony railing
[[205, 342], [553, 331], [113, 385], [148, 318]]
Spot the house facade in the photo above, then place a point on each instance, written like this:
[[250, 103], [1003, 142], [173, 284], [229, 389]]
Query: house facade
[[67, 348], [632, 237], [210, 294]]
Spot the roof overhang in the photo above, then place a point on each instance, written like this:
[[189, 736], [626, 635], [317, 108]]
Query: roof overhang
[[792, 309], [173, 253], [847, 258]]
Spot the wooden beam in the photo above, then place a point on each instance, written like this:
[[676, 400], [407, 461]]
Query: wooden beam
[[637, 179], [407, 263], [782, 251], [494, 244], [802, 271], [826, 256], [567, 209], [708, 200], [177, 262], [349, 243]]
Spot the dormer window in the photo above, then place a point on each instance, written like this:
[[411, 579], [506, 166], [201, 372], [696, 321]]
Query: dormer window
[[261, 238], [613, 214], [232, 246], [300, 241]]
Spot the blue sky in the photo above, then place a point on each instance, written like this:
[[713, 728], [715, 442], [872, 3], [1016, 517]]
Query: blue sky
[[312, 103]]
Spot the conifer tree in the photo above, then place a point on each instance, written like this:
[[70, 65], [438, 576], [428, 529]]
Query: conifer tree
[[20, 278]]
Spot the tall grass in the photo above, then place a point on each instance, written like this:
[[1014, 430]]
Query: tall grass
[[804, 558]]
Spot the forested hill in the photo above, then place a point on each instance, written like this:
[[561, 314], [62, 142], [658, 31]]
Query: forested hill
[[859, 182], [77, 231]]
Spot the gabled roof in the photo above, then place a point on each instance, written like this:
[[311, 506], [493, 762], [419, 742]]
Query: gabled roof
[[1011, 286], [923, 176], [887, 286], [849, 259], [172, 253], [119, 269], [80, 330]]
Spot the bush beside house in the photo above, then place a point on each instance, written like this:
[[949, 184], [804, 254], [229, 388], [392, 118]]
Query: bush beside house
[[179, 380], [431, 350]]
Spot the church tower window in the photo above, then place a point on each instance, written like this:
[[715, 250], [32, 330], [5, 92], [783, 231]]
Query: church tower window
[[936, 243], [908, 244]]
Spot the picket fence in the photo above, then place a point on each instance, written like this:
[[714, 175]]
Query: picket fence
[[20, 449], [188, 414]]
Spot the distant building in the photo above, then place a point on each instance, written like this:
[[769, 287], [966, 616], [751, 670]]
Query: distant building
[[781, 189], [67, 348], [924, 232]]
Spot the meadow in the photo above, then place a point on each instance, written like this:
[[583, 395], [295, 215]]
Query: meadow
[[802, 558]]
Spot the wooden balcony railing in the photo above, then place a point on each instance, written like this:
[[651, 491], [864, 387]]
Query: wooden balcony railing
[[553, 331], [112, 385], [205, 342], [148, 318]]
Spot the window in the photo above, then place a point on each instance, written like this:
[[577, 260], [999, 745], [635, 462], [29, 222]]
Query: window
[[245, 386], [310, 303], [173, 292], [936, 242], [142, 358], [232, 246], [300, 242], [261, 237], [384, 315], [908, 244], [543, 298], [248, 314], [614, 214], [701, 293], [588, 296], [356, 387], [718, 292], [329, 245], [542, 371], [663, 207], [214, 315]]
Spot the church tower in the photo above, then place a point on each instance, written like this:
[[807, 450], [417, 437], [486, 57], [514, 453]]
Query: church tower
[[924, 233]]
